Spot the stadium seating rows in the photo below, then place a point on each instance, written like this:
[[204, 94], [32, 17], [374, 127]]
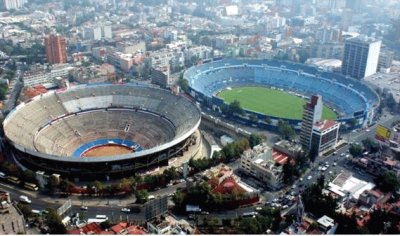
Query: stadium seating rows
[[59, 123], [346, 94]]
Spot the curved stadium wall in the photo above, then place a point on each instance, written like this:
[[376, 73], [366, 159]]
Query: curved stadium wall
[[51, 131], [352, 99]]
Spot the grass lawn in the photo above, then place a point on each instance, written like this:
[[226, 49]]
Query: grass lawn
[[270, 102]]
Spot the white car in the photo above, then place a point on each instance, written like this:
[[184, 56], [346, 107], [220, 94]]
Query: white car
[[309, 177], [126, 210], [25, 199], [84, 208], [342, 154], [334, 164], [324, 168]]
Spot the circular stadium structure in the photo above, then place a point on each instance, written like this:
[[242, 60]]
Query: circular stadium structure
[[94, 131], [351, 99]]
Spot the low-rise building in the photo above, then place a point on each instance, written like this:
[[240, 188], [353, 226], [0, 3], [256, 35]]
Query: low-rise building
[[327, 225], [12, 220], [131, 47], [259, 163], [46, 77]]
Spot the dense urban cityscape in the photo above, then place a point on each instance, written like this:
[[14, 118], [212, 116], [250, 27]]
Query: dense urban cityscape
[[200, 117]]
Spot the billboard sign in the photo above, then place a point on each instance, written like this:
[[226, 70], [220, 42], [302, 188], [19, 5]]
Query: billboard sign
[[382, 133]]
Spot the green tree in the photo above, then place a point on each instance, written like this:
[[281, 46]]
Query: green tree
[[52, 184], [316, 202], [183, 83], [289, 172], [29, 176], [105, 225], [171, 173], [178, 199], [387, 182], [285, 130], [235, 108], [25, 209], [268, 120], [3, 91], [53, 221], [142, 196], [65, 185], [370, 145], [253, 118], [249, 226], [355, 150], [255, 139]]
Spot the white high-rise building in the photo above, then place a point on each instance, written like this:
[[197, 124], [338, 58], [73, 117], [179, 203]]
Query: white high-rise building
[[14, 4], [360, 57], [106, 31]]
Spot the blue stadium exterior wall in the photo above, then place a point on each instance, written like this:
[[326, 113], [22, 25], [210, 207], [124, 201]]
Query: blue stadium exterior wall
[[214, 102]]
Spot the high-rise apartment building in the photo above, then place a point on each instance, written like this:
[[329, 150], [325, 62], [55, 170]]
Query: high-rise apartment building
[[56, 51], [360, 57], [312, 113]]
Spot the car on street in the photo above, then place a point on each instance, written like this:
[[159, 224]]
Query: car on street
[[126, 210], [334, 164], [84, 208], [259, 208], [309, 177], [24, 199], [342, 154]]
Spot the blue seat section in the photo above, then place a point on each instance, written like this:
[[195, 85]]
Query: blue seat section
[[344, 94], [100, 142]]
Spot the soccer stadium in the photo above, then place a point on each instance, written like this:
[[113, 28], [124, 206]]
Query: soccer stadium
[[101, 130], [219, 82]]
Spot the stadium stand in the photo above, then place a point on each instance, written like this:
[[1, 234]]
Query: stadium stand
[[348, 96]]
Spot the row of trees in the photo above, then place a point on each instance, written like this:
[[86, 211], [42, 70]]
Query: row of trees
[[51, 219], [126, 185], [228, 153], [14, 170]]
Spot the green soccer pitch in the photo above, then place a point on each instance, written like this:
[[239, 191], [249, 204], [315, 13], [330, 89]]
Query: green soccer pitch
[[270, 102]]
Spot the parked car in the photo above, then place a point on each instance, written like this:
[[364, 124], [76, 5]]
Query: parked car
[[126, 210], [309, 177]]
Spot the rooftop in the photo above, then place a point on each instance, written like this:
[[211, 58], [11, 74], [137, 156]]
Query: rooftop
[[324, 125]]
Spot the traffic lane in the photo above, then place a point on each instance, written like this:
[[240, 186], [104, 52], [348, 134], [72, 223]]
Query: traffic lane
[[112, 212]]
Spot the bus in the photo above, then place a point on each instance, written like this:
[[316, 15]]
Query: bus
[[250, 214], [92, 220], [102, 217], [13, 180], [31, 186]]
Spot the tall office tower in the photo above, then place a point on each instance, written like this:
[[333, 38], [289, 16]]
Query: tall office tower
[[312, 113], [360, 57], [13, 4], [56, 51]]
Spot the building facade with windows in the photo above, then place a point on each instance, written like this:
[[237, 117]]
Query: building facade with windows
[[360, 57]]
